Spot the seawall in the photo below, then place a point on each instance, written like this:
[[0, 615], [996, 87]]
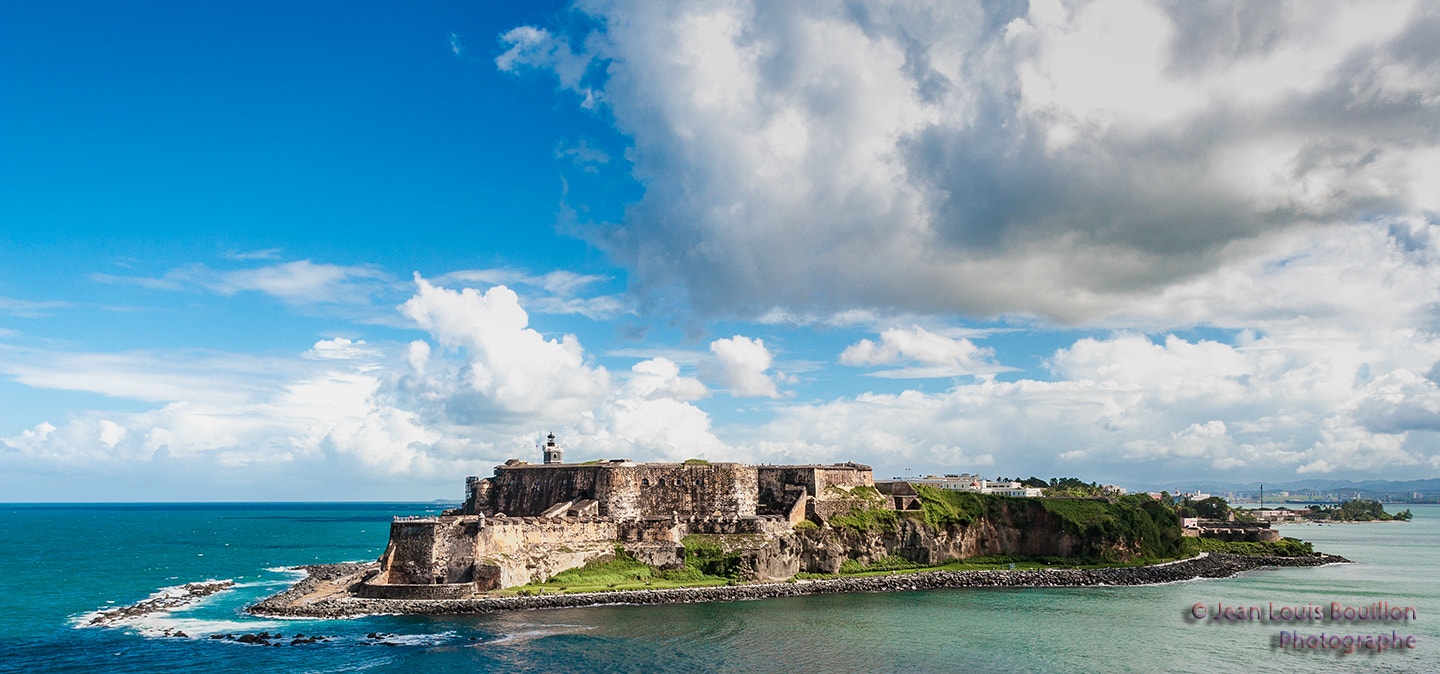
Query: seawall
[[289, 603]]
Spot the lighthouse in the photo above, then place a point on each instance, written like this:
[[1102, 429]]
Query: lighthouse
[[553, 453]]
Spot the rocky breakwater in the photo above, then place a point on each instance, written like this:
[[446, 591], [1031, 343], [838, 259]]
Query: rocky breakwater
[[168, 599], [1205, 566]]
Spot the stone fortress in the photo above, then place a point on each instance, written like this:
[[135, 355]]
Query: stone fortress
[[529, 522]]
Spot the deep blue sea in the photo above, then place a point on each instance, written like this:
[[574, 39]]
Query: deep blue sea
[[61, 563]]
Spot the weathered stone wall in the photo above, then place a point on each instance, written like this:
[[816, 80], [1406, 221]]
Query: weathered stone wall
[[439, 550], [771, 524], [684, 491], [527, 491], [773, 480], [493, 552], [822, 511], [1238, 533], [527, 549], [635, 491], [778, 485], [840, 500], [371, 590], [845, 477]]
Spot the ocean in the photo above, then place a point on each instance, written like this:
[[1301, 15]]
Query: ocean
[[59, 564]]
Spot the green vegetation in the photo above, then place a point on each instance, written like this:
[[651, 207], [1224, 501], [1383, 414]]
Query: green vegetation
[[890, 563], [1213, 508], [1133, 527], [867, 511], [1285, 547], [805, 525], [1115, 530], [1359, 510], [623, 572], [866, 520], [590, 463], [696, 462], [718, 555], [1069, 487], [940, 508]]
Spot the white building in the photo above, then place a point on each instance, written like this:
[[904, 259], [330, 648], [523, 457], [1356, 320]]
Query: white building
[[968, 482]]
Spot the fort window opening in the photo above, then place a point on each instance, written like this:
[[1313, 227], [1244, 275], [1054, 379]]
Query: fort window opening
[[645, 482]]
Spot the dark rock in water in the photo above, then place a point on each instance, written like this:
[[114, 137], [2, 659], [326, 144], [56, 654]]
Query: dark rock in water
[[181, 635], [189, 594]]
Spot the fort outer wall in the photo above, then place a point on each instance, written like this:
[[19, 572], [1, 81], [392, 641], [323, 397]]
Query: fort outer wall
[[775, 483], [491, 553], [646, 508], [658, 490], [446, 557], [622, 491]]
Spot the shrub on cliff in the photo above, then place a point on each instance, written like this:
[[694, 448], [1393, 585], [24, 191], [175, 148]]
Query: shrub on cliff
[[707, 555], [1285, 547], [866, 520], [864, 509], [941, 508], [1131, 526], [622, 567]]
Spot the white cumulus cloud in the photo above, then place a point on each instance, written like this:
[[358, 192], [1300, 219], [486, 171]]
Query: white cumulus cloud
[[1060, 159], [934, 355], [742, 366]]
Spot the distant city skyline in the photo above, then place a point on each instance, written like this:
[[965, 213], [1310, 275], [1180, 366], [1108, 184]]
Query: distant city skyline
[[350, 251]]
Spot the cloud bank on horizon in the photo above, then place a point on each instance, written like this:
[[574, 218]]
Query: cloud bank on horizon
[[1226, 214]]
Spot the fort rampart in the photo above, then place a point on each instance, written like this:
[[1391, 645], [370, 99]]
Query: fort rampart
[[529, 522]]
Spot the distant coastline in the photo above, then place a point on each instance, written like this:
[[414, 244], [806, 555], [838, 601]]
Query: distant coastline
[[325, 592]]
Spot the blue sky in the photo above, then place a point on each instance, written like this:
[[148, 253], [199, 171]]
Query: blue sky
[[260, 252]]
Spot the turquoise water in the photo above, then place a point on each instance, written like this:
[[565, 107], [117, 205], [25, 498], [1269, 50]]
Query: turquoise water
[[60, 563]]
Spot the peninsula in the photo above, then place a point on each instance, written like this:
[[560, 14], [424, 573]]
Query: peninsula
[[541, 535]]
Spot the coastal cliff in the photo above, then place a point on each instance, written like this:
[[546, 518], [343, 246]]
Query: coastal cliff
[[952, 526]]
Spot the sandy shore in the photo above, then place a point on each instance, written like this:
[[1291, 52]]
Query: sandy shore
[[325, 592]]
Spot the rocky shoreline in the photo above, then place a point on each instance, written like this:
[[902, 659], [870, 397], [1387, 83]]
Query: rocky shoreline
[[168, 600], [298, 601]]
